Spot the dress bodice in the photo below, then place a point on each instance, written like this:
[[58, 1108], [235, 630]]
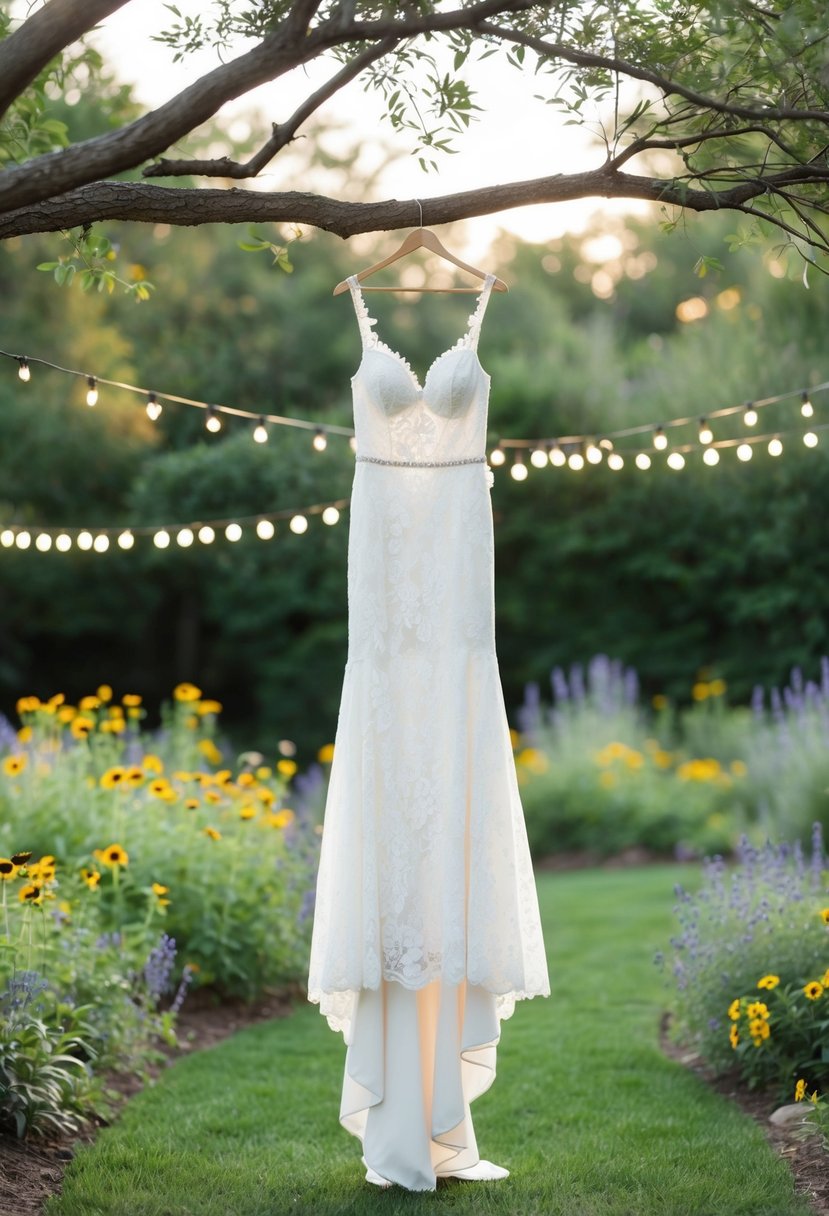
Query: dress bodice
[[399, 419]]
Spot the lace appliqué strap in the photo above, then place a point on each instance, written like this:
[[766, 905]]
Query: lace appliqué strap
[[474, 328], [363, 319]]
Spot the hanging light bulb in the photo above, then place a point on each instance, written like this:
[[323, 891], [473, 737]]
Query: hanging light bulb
[[497, 456], [642, 461], [775, 446], [518, 470], [260, 431], [265, 529], [91, 391], [352, 442], [745, 451], [676, 460], [606, 444], [101, 543], [185, 537], [23, 540], [706, 435], [593, 453], [233, 532], [298, 524], [161, 539], [660, 439], [806, 407], [711, 456], [557, 457], [6, 538], [63, 542], [538, 458], [320, 440], [24, 371], [750, 415], [810, 439], [213, 422], [84, 540], [615, 461], [126, 540], [43, 541], [330, 515], [153, 407], [575, 461], [206, 534]]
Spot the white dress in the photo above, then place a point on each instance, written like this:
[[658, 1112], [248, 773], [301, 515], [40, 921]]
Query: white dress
[[426, 924]]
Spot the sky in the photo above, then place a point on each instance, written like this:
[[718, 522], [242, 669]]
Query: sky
[[517, 138]]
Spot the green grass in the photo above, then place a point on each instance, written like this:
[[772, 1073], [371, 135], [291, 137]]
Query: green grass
[[585, 1111]]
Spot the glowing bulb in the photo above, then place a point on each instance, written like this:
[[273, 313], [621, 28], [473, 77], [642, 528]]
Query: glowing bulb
[[806, 407], [153, 407], [43, 541], [538, 458], [643, 460], [745, 451], [260, 431], [576, 461], [706, 435], [233, 532], [206, 534], [6, 538], [775, 447], [23, 540], [660, 439], [320, 440], [557, 457], [213, 422], [519, 470], [711, 456], [101, 543], [615, 461], [185, 537], [126, 540], [750, 415], [352, 442], [810, 439], [265, 529], [92, 391], [161, 539], [63, 542], [298, 524], [84, 540], [593, 453], [24, 371], [497, 455], [330, 515], [676, 460]]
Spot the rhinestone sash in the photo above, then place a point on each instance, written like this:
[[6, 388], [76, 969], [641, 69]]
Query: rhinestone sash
[[423, 464]]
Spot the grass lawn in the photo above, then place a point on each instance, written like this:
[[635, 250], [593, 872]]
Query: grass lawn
[[585, 1111]]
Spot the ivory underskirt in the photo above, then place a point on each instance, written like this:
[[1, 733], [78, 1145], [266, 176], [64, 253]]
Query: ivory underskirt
[[416, 1059]]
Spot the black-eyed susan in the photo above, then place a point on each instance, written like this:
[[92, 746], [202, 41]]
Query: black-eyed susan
[[265, 795], [247, 811], [114, 855], [212, 833], [152, 763], [209, 707], [245, 779], [813, 990], [131, 700], [105, 692], [824, 915], [24, 735], [91, 877], [113, 726], [286, 768], [717, 688], [700, 691], [186, 692], [135, 775], [191, 721], [758, 1028], [192, 804], [800, 1090], [158, 787], [264, 772], [768, 982], [213, 796], [824, 980], [80, 726], [7, 869], [114, 777], [159, 890], [182, 774], [66, 713], [734, 1009], [115, 711], [326, 753], [758, 1009], [733, 1035], [281, 819], [223, 776], [210, 751], [30, 894], [14, 765], [90, 702]]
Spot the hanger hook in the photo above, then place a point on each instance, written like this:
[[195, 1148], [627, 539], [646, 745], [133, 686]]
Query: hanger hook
[[420, 209]]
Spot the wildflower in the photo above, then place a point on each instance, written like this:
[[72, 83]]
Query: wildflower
[[800, 1090], [131, 700], [191, 721], [14, 765], [813, 990], [210, 751], [91, 702], [759, 1029], [115, 711], [209, 707], [192, 803], [80, 726], [113, 777], [326, 753], [758, 1009], [769, 982], [813, 1098], [27, 705], [186, 692], [734, 1035], [824, 981], [135, 775], [824, 913], [152, 763], [114, 855], [113, 726], [700, 691], [247, 811], [66, 713], [659, 701], [265, 795], [661, 758], [213, 796], [105, 693], [288, 767], [282, 818], [7, 868], [158, 788], [212, 833], [91, 877], [223, 776], [30, 894], [263, 772], [246, 779], [20, 859], [734, 1009], [716, 688], [159, 965]]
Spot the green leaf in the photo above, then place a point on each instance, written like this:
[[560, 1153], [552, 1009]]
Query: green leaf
[[47, 265]]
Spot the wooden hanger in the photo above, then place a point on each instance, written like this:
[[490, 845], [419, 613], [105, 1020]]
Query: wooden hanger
[[421, 238]]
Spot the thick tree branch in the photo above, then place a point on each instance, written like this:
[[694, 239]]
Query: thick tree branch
[[51, 28], [143, 202], [283, 133], [286, 48]]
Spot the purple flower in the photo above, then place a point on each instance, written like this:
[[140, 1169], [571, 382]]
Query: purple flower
[[159, 966]]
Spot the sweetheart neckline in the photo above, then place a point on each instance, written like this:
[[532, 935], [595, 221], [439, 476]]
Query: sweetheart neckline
[[381, 348]]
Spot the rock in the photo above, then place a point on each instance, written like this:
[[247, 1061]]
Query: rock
[[790, 1114]]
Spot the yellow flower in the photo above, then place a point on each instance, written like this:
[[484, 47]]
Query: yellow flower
[[191, 803], [80, 727], [114, 855], [210, 751], [160, 889], [813, 990], [734, 1009], [113, 777], [209, 707], [247, 811], [212, 833], [716, 688], [263, 772], [700, 691], [105, 693], [757, 1009], [66, 713], [115, 711], [7, 869], [27, 705], [56, 700], [634, 759], [659, 701], [90, 877], [14, 765], [131, 699], [113, 726], [824, 981], [281, 819], [135, 775], [191, 721], [699, 770], [186, 692], [134, 712], [662, 759], [326, 753], [91, 702], [246, 779], [734, 1035], [759, 1029], [152, 763], [30, 894], [769, 982], [158, 787], [824, 912], [265, 795], [515, 740], [25, 734], [213, 796], [286, 767], [223, 776], [182, 775], [813, 1098], [800, 1090]]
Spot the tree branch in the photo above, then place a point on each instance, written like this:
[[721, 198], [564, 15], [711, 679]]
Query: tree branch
[[27, 51], [283, 133]]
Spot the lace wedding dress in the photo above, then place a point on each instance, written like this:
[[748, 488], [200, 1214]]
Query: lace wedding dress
[[426, 924]]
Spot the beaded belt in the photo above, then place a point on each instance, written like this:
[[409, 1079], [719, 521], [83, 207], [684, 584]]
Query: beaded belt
[[424, 464]]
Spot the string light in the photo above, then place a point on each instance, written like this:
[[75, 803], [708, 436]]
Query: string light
[[320, 440], [260, 431], [265, 529], [233, 532], [352, 443], [92, 391], [593, 453], [557, 457], [810, 439], [298, 524], [497, 456], [660, 439], [576, 461], [745, 451], [519, 470], [642, 461], [24, 371], [213, 422], [126, 540], [330, 516], [806, 407], [615, 461], [538, 458], [750, 415], [676, 460], [153, 407], [775, 447], [711, 456], [706, 435], [206, 534], [161, 539], [185, 537]]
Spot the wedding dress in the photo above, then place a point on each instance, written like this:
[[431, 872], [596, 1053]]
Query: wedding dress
[[426, 924]]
